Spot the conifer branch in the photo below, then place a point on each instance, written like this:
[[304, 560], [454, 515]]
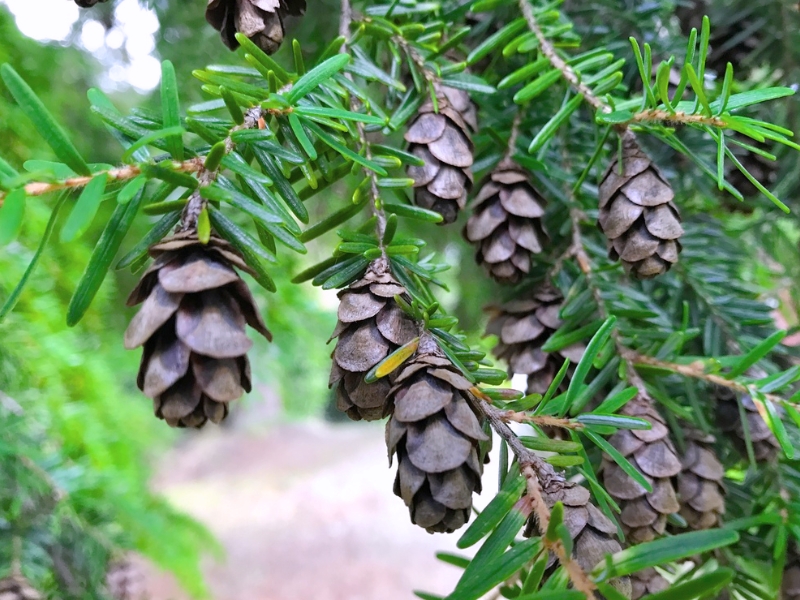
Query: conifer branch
[[653, 115]]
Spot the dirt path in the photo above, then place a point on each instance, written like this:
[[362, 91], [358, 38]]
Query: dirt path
[[305, 512]]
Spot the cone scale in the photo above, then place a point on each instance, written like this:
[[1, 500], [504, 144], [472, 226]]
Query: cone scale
[[259, 20]]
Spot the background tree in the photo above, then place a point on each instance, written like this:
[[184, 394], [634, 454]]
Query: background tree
[[627, 210]]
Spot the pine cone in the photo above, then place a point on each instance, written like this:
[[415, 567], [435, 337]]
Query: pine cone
[[16, 587], [124, 580], [192, 327], [260, 20], [637, 214], [765, 445], [435, 433], [647, 582], [87, 3], [442, 140], [522, 327], [371, 326], [790, 586], [700, 488], [507, 223], [644, 516]]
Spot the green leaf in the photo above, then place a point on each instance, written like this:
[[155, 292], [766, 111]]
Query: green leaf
[[11, 214], [283, 186], [131, 188], [777, 427], [701, 586], [203, 226], [237, 164], [737, 101], [453, 559], [85, 209], [157, 233], [311, 80], [346, 275], [585, 364], [616, 421], [546, 444], [537, 86], [756, 354], [333, 220], [171, 110], [524, 73], [469, 83], [56, 169], [232, 105], [556, 121], [494, 512], [251, 250], [43, 121], [146, 140], [107, 246], [337, 113], [413, 212], [13, 297], [663, 551], [302, 137], [494, 571], [241, 202], [215, 156], [345, 151], [495, 41], [617, 457]]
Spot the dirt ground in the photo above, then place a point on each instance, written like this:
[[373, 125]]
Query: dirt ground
[[304, 511]]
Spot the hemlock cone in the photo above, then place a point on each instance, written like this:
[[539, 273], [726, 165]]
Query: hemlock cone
[[765, 445], [637, 213], [522, 327], [87, 3], [435, 433], [442, 140], [260, 20], [593, 534], [370, 327], [646, 582], [506, 223], [192, 327], [16, 587], [700, 490], [652, 453]]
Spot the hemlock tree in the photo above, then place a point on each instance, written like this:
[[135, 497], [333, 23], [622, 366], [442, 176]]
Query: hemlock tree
[[616, 196]]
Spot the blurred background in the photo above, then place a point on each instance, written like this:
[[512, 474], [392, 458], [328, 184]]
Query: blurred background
[[281, 503]]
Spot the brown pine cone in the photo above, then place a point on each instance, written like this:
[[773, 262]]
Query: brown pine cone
[[637, 214], [260, 20], [700, 488], [124, 581], [522, 327], [506, 223], [765, 445], [192, 327], [442, 140], [460, 100], [16, 587], [593, 534], [644, 515], [435, 433], [790, 586], [370, 327], [647, 582]]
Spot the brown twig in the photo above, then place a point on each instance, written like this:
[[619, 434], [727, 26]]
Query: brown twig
[[511, 147], [511, 416], [655, 115]]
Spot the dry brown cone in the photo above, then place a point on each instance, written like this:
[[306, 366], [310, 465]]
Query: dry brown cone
[[442, 140], [124, 581], [192, 327], [647, 582], [435, 433], [652, 453], [506, 223], [637, 213], [593, 534], [16, 587], [765, 445], [700, 489], [371, 326], [259, 20], [522, 327], [790, 585]]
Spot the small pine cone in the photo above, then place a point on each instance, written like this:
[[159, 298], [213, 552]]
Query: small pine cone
[[790, 586], [637, 214], [259, 20], [522, 327], [644, 515], [16, 587], [700, 488], [441, 139], [593, 534], [371, 326], [506, 224], [124, 581], [647, 582], [460, 100], [436, 435], [765, 445], [192, 327]]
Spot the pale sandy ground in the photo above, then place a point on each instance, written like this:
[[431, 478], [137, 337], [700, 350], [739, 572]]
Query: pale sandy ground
[[305, 511]]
